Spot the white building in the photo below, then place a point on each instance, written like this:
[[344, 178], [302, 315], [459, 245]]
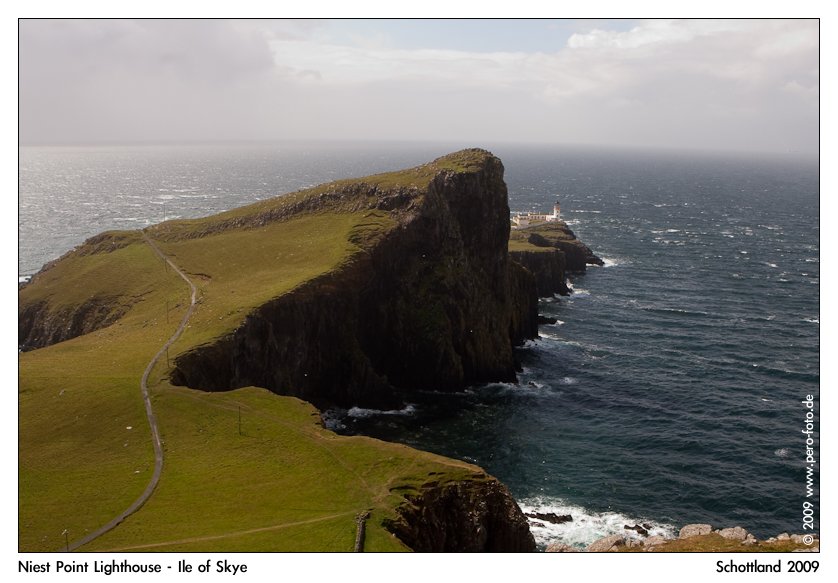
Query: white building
[[524, 220]]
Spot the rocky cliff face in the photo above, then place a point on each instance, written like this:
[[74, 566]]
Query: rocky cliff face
[[549, 269], [465, 516], [577, 255], [42, 322], [550, 251], [40, 326], [436, 303]]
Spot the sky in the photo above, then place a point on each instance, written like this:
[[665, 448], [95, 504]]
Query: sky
[[745, 85]]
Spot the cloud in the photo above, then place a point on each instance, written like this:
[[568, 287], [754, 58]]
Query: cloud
[[701, 83]]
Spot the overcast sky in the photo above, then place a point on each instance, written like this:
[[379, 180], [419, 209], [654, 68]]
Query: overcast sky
[[709, 84]]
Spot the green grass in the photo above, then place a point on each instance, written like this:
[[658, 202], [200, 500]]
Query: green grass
[[79, 465], [239, 270], [340, 196], [284, 484], [522, 245]]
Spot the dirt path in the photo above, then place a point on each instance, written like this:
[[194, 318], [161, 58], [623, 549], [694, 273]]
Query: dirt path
[[152, 420], [196, 539]]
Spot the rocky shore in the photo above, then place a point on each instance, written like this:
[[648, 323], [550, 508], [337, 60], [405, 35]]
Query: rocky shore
[[694, 538]]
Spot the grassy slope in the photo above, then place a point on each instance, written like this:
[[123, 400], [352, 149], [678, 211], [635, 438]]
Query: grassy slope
[[241, 269], [78, 462], [550, 231], [521, 245], [285, 484]]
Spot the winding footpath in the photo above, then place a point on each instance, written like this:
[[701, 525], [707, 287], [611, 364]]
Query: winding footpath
[[152, 420]]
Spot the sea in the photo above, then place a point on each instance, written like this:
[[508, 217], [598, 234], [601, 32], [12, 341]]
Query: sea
[[672, 388]]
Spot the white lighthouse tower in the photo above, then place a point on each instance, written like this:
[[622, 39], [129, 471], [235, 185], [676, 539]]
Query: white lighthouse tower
[[556, 212]]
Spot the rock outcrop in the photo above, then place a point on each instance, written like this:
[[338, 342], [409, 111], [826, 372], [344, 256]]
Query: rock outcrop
[[550, 251], [691, 530], [435, 303], [47, 316], [606, 544], [557, 234], [698, 538], [41, 325], [463, 516], [548, 268]]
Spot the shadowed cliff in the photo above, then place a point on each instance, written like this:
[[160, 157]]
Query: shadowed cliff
[[432, 302]]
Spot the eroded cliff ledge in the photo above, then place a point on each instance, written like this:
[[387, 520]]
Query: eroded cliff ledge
[[550, 251]]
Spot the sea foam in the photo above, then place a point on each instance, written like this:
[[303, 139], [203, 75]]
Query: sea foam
[[587, 525]]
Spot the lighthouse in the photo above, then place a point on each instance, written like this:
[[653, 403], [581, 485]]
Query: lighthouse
[[556, 211]]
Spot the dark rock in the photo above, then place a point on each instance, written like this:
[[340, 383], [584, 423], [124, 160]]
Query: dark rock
[[465, 516], [638, 529], [546, 320], [40, 325], [548, 268], [551, 517]]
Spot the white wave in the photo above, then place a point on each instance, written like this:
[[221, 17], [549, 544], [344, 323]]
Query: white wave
[[331, 419], [580, 293], [812, 320], [766, 400], [23, 278], [609, 262], [586, 527], [782, 452], [774, 265], [165, 197], [361, 413]]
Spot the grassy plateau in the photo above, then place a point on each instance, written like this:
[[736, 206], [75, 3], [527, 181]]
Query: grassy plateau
[[244, 470]]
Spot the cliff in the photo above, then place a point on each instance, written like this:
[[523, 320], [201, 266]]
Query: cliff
[[433, 301], [348, 293], [550, 251], [464, 516], [51, 310]]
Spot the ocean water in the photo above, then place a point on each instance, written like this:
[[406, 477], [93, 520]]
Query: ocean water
[[668, 392]]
